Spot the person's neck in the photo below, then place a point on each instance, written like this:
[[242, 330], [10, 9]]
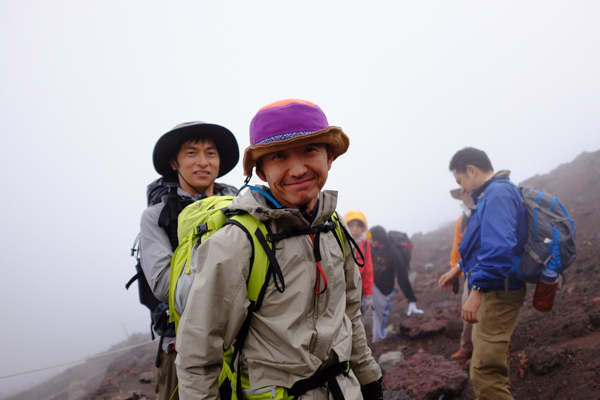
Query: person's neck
[[360, 238], [310, 215], [207, 191], [482, 178], [489, 176], [305, 208]]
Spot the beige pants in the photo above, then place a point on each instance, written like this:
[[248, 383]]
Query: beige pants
[[497, 317], [166, 377]]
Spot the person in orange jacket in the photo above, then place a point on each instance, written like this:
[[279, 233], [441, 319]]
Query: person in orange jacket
[[357, 223], [463, 355]]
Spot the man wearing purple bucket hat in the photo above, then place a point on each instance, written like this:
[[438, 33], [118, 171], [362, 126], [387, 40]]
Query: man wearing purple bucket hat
[[306, 338]]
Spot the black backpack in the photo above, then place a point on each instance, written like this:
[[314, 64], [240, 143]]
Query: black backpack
[[401, 241], [161, 190]]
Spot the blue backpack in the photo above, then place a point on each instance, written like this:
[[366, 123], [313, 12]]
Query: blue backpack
[[551, 240]]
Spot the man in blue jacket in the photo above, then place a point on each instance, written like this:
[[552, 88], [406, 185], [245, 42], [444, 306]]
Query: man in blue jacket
[[492, 243]]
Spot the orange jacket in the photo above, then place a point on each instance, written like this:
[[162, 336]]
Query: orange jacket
[[367, 271], [458, 235]]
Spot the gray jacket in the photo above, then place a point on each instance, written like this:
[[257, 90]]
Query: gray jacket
[[155, 247]]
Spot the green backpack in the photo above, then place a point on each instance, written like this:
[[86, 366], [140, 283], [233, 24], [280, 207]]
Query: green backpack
[[200, 220]]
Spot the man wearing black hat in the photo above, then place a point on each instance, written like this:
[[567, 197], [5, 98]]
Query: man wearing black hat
[[189, 157]]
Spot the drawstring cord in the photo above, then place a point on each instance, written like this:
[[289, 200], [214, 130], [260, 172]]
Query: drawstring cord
[[202, 194], [320, 272], [257, 189]]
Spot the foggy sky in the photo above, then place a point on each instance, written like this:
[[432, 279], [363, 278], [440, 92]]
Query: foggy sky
[[87, 89]]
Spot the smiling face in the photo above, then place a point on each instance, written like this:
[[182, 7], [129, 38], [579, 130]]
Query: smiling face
[[296, 175], [198, 166]]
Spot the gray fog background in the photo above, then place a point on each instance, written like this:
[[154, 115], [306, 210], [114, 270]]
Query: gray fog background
[[88, 87]]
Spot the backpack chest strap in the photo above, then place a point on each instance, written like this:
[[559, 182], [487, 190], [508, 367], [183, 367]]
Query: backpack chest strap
[[314, 232]]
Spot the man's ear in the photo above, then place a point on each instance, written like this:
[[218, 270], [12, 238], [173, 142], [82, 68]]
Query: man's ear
[[472, 170], [260, 173], [174, 165], [329, 157]]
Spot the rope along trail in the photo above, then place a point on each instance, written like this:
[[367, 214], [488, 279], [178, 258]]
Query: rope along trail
[[78, 361]]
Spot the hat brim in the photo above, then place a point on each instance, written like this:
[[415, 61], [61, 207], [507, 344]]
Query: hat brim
[[455, 193], [170, 143], [333, 136]]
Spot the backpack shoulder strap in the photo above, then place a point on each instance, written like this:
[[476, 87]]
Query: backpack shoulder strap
[[339, 230], [482, 195], [170, 213], [263, 263]]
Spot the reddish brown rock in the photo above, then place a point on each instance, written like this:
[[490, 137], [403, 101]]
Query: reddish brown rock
[[544, 359], [595, 319], [421, 325], [426, 377], [525, 365]]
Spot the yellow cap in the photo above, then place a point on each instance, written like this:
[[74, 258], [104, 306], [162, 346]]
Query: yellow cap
[[356, 215]]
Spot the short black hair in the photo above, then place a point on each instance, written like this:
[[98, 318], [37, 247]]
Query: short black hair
[[379, 234], [470, 156]]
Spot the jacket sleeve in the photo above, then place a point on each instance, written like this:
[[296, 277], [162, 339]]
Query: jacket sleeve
[[455, 254], [361, 360], [215, 311], [498, 215], [155, 252], [367, 271]]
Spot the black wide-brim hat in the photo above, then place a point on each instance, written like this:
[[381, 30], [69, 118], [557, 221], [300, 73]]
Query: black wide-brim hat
[[170, 143]]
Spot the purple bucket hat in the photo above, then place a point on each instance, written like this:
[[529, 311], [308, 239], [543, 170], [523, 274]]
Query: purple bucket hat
[[289, 123]]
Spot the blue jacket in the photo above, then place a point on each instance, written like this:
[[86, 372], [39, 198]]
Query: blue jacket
[[495, 235]]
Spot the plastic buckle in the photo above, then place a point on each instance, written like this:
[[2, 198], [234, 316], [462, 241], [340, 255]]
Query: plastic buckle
[[201, 230]]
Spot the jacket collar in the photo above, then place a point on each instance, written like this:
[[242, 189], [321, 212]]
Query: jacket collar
[[257, 205], [219, 189], [503, 174]]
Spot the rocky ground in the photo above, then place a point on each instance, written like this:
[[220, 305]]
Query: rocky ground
[[554, 355]]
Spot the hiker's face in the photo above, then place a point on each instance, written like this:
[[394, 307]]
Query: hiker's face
[[471, 179], [198, 166], [296, 175], [357, 228]]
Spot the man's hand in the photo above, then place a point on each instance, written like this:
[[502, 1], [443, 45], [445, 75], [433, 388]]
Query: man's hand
[[469, 310], [446, 280]]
